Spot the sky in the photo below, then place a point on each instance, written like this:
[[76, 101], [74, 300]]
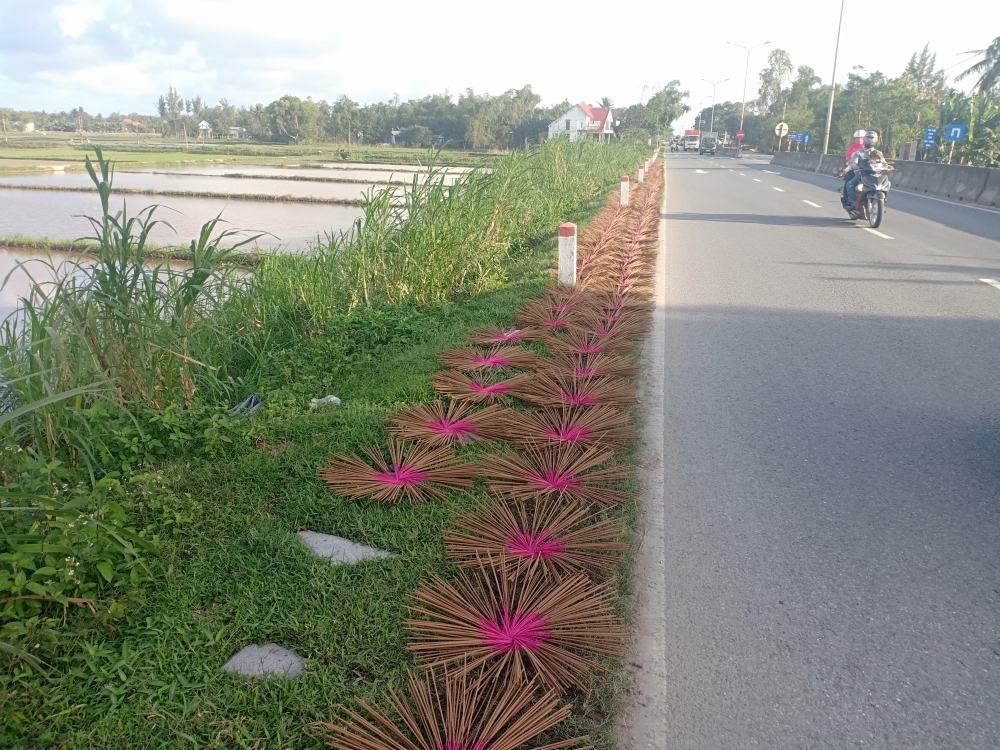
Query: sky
[[120, 55]]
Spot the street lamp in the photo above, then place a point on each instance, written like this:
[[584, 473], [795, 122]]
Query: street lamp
[[711, 127], [833, 83], [746, 75]]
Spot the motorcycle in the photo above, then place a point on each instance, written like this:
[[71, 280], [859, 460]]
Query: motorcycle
[[872, 194]]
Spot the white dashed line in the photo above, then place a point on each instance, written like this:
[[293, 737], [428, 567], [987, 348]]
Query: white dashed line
[[991, 282], [755, 179], [700, 171], [742, 174], [877, 233], [769, 171], [814, 205], [778, 189]]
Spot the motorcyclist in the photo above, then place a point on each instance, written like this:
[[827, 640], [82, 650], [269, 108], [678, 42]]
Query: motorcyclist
[[860, 159], [856, 145]]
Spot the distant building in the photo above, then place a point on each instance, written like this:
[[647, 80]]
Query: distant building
[[584, 121], [29, 127], [204, 130], [238, 132]]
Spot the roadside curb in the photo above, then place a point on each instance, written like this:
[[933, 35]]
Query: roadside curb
[[643, 722]]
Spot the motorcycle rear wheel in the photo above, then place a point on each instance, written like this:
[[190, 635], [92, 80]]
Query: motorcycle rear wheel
[[876, 209]]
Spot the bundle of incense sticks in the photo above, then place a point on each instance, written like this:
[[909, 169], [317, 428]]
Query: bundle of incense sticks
[[529, 612]]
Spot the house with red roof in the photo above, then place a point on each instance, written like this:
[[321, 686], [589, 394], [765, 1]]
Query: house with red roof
[[584, 121]]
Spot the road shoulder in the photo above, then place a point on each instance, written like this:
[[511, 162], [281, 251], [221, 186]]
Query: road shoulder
[[643, 723]]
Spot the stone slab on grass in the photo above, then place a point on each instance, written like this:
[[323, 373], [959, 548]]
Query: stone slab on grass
[[339, 551], [261, 661]]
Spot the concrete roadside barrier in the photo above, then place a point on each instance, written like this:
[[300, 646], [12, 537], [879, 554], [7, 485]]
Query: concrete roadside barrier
[[964, 184], [979, 185], [990, 197], [928, 177]]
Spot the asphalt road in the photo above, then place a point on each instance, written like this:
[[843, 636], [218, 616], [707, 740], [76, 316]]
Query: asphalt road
[[831, 467]]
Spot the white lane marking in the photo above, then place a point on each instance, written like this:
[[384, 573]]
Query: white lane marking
[[778, 189], [878, 233], [700, 171], [755, 179], [742, 174], [991, 282], [814, 205], [769, 171]]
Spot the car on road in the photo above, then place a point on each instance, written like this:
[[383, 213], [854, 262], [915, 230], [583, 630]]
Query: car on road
[[709, 141]]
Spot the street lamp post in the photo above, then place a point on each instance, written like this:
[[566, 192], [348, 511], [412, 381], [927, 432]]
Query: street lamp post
[[746, 75], [833, 83], [711, 127]]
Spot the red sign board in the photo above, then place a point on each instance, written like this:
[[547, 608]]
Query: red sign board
[[692, 132], [740, 135]]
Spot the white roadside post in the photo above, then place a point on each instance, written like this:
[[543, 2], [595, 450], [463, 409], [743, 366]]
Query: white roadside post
[[624, 190], [567, 253], [642, 175]]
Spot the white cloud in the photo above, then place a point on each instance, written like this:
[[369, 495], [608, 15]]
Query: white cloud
[[121, 54], [74, 18]]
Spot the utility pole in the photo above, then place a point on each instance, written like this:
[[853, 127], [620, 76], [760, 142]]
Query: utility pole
[[711, 127], [746, 75], [833, 83]]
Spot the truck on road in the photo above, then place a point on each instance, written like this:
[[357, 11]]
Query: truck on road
[[691, 139], [708, 143]]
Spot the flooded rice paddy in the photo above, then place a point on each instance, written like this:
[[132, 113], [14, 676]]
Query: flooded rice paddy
[[60, 216], [34, 205]]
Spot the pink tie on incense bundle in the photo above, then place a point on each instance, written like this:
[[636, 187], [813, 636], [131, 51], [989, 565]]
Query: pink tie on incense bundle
[[555, 481], [578, 399], [492, 361], [569, 434], [535, 544], [515, 631], [490, 390], [401, 476], [462, 430]]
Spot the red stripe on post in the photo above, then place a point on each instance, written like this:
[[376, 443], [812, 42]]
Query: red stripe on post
[[624, 178], [567, 230]]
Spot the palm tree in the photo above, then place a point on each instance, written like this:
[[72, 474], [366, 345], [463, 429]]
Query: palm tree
[[988, 69], [607, 102]]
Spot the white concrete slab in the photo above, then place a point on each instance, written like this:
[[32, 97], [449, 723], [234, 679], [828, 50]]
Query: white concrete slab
[[261, 661], [340, 551]]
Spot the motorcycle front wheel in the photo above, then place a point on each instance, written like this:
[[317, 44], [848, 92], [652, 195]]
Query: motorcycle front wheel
[[876, 208]]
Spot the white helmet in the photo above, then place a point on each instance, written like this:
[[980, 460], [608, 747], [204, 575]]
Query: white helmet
[[859, 133], [870, 138]]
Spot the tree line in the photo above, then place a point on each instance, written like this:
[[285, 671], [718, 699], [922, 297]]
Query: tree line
[[470, 120], [899, 108]]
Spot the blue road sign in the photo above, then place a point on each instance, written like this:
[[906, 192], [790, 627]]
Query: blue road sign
[[955, 132], [806, 138], [930, 134]]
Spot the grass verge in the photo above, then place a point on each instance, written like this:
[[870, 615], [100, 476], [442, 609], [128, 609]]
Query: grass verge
[[229, 570], [220, 506]]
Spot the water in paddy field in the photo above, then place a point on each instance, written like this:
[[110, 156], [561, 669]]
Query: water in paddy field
[[289, 226], [60, 217], [20, 267], [199, 184]]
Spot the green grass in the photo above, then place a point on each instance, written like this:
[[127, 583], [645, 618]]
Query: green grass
[[153, 151], [241, 566], [221, 506], [234, 573]]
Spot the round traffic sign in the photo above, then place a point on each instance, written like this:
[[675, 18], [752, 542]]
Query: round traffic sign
[[781, 129], [740, 135]]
